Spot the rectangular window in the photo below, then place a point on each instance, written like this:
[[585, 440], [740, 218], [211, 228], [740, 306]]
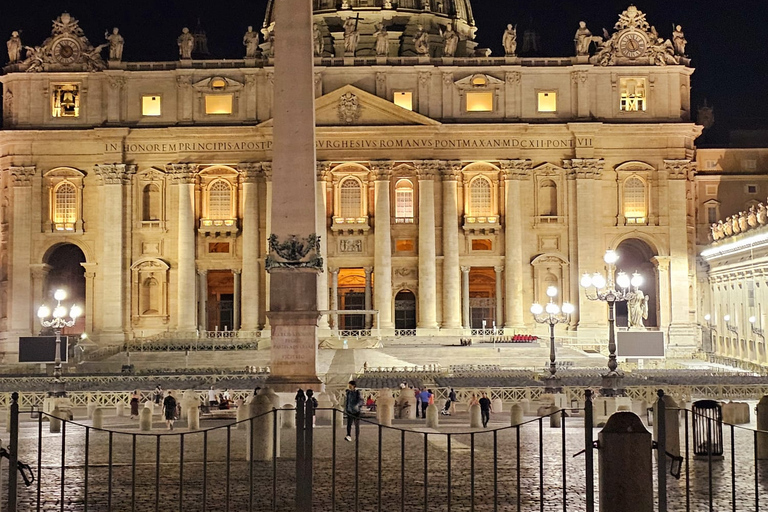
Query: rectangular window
[[404, 246], [65, 100], [547, 101], [218, 104], [218, 247], [710, 190], [751, 189], [711, 214], [632, 95], [150, 106], [403, 99], [480, 101]]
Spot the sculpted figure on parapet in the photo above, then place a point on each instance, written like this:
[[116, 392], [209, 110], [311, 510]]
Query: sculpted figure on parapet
[[251, 43], [421, 41], [509, 40], [450, 41], [317, 40], [582, 39], [678, 40], [14, 47], [351, 35], [116, 43], [186, 43], [382, 40]]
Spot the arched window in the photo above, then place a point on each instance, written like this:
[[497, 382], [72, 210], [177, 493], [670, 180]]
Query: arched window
[[65, 206], [220, 200], [634, 201], [548, 199], [151, 202], [404, 202], [480, 203], [350, 198]]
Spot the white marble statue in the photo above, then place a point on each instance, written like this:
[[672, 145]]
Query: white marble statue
[[186, 43], [351, 35], [421, 41], [251, 43], [678, 40], [14, 47], [638, 309], [116, 43], [450, 41], [509, 41], [582, 39], [317, 40], [382, 40]]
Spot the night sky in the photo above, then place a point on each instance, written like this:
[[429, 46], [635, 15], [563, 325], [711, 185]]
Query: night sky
[[726, 39]]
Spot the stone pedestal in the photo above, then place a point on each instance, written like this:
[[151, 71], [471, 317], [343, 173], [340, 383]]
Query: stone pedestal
[[294, 336], [145, 419], [193, 418], [98, 418], [475, 420], [762, 424], [672, 425], [259, 444], [625, 449], [55, 421], [432, 416], [288, 416], [120, 409], [555, 420], [90, 408], [242, 415], [516, 415]]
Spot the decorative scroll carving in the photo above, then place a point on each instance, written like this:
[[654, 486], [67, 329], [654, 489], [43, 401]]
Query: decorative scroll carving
[[67, 47], [351, 245], [584, 168], [512, 77], [516, 169], [680, 169], [349, 108], [182, 173], [22, 176], [382, 171], [114, 174], [427, 169], [250, 172], [294, 253]]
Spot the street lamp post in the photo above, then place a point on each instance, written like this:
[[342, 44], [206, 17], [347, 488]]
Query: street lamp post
[[711, 328], [611, 290], [552, 315], [56, 320]]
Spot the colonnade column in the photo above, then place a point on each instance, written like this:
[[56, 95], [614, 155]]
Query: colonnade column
[[451, 272], [465, 297], [113, 177], [427, 256], [20, 307], [334, 296], [267, 168], [202, 300], [322, 230], [184, 178], [368, 271], [39, 273], [237, 301], [514, 171], [382, 263], [573, 249], [499, 310], [662, 274], [248, 313], [90, 277]]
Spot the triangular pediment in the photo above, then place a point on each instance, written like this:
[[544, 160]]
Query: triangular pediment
[[350, 106]]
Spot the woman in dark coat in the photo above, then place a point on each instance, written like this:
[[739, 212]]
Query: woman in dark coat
[[135, 397]]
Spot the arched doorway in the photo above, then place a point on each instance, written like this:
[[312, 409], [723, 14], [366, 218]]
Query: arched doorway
[[635, 256], [66, 272], [405, 310]]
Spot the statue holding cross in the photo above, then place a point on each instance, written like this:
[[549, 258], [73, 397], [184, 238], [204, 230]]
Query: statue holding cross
[[351, 35]]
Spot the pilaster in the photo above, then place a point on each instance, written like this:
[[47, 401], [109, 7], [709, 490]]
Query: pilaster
[[20, 307], [451, 272], [427, 172], [382, 265], [513, 172], [184, 176], [250, 174]]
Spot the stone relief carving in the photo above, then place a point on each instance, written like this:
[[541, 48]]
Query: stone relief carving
[[680, 169], [349, 108], [66, 47], [22, 176], [8, 103], [421, 41], [512, 77], [351, 36], [114, 174], [347, 245], [516, 169], [405, 272], [294, 253]]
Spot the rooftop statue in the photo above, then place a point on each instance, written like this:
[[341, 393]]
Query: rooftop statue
[[351, 35], [382, 40], [269, 38], [317, 40], [186, 43], [450, 41], [509, 40], [116, 43], [421, 41], [678, 40], [14, 47], [582, 39], [251, 43]]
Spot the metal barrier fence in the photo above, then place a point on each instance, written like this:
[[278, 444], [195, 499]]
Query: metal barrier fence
[[524, 467]]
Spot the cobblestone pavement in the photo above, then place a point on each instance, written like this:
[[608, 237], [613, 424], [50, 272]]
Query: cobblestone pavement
[[126, 487]]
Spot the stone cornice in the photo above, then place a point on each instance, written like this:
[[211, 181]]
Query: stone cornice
[[584, 168], [22, 176], [680, 169], [515, 169], [184, 174], [114, 174]]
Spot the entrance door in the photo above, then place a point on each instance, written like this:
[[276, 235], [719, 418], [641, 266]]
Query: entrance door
[[353, 301], [220, 304], [405, 310]]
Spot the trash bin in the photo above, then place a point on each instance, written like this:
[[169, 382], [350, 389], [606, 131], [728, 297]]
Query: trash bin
[[707, 429]]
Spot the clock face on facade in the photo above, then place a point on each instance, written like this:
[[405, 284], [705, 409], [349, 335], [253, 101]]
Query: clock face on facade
[[632, 45], [66, 50]]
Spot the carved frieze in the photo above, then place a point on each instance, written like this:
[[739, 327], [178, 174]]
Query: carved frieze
[[349, 108], [515, 169], [22, 176], [295, 252], [184, 174], [584, 168], [680, 169], [351, 246], [114, 174], [250, 172]]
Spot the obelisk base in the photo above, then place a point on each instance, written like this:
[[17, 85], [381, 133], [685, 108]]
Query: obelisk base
[[294, 351]]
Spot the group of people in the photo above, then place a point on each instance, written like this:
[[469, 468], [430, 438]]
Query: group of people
[[170, 407], [222, 400]]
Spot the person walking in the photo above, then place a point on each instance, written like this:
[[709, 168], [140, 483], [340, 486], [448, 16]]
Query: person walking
[[311, 398], [212, 397], [352, 404], [417, 393], [135, 398], [169, 409], [485, 409], [449, 404], [425, 395], [158, 394]]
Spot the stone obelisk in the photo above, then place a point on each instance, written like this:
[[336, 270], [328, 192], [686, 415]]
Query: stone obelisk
[[294, 258]]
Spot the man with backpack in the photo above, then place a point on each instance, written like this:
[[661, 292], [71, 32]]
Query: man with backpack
[[352, 406]]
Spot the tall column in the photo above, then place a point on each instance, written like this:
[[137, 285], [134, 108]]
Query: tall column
[[322, 230], [293, 311], [465, 297], [249, 305], [382, 263], [368, 271], [662, 274], [184, 178], [39, 273], [427, 256], [267, 166], [334, 296], [90, 278], [113, 297], [20, 306], [237, 300], [573, 250], [514, 171], [451, 271], [202, 300], [499, 317]]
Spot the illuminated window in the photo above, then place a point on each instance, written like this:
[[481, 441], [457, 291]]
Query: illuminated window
[[632, 95], [547, 101], [350, 199], [218, 104], [151, 203], [482, 244], [548, 199], [218, 84], [480, 203], [480, 101], [403, 99], [65, 100], [150, 106], [220, 200], [404, 202], [65, 206], [634, 201], [404, 246], [479, 80]]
